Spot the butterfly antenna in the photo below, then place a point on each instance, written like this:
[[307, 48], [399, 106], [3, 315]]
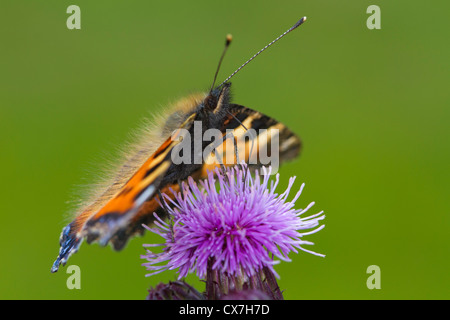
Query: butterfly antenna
[[295, 26], [227, 44]]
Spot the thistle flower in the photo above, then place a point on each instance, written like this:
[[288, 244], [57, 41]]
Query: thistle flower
[[239, 229], [174, 290]]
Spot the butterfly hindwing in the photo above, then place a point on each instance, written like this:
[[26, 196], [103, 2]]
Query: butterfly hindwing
[[289, 142], [252, 131]]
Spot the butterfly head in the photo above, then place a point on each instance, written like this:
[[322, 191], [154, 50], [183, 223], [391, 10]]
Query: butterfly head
[[217, 99]]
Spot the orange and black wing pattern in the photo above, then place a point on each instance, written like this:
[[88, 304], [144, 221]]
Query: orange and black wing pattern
[[129, 206], [134, 202], [239, 122]]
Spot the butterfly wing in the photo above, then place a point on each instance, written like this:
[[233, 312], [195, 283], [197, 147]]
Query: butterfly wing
[[252, 131], [238, 121], [135, 202], [112, 221]]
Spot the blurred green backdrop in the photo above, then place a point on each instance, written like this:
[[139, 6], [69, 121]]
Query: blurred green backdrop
[[372, 108]]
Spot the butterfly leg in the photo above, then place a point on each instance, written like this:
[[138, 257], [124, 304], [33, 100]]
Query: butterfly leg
[[222, 166], [236, 152], [238, 162]]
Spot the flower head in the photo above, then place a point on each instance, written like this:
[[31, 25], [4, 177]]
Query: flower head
[[174, 290], [239, 228]]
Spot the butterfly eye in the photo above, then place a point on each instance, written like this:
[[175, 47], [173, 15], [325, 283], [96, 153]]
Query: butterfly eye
[[210, 102]]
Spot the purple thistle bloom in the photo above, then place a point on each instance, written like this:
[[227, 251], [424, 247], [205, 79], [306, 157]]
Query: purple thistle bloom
[[239, 228], [174, 290]]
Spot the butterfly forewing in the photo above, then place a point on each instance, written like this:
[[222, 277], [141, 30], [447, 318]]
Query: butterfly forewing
[[115, 220]]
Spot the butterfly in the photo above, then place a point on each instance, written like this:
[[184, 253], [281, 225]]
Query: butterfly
[[117, 213]]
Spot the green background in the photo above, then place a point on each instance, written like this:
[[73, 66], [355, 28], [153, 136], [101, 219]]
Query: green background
[[371, 106]]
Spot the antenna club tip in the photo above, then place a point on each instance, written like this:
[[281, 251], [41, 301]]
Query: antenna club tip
[[299, 22], [228, 39]]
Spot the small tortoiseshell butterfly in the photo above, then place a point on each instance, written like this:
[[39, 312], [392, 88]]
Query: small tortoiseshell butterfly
[[118, 212]]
